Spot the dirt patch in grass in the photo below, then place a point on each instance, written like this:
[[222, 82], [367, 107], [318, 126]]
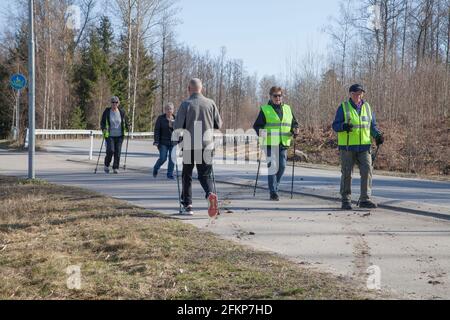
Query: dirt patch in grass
[[125, 252]]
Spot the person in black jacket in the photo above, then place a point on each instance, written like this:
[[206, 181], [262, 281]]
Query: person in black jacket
[[114, 125], [163, 140]]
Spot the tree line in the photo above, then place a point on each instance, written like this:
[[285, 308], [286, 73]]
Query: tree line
[[398, 49]]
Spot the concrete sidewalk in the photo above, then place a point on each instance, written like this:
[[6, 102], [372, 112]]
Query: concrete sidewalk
[[411, 251], [415, 195]]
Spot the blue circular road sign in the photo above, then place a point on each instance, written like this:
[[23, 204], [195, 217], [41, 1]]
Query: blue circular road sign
[[18, 81]]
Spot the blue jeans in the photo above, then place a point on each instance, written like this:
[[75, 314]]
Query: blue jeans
[[277, 166], [164, 153]]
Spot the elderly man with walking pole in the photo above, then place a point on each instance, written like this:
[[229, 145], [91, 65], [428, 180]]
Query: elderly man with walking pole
[[355, 125], [197, 118]]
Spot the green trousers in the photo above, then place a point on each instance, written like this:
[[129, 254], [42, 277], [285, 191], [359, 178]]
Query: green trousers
[[364, 162]]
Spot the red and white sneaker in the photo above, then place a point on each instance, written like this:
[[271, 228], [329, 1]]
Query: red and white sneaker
[[213, 205]]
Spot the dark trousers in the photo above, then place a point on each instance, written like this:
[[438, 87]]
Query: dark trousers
[[204, 174], [113, 148]]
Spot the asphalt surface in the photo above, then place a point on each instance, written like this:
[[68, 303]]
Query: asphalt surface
[[412, 250]]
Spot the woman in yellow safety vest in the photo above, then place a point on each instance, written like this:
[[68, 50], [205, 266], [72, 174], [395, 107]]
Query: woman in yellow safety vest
[[276, 125]]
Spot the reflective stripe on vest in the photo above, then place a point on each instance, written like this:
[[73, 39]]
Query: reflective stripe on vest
[[278, 130], [360, 134]]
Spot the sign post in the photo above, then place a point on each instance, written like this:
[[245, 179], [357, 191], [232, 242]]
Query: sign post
[[17, 82], [31, 94]]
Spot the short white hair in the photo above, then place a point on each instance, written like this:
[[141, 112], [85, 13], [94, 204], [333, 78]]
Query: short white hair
[[195, 84], [169, 106]]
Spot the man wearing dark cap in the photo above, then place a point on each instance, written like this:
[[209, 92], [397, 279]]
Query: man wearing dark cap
[[114, 125], [355, 124]]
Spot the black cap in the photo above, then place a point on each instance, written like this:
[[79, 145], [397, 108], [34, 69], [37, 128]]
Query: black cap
[[356, 88]]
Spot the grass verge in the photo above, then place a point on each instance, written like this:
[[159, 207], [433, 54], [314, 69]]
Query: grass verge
[[125, 252], [17, 146], [10, 144]]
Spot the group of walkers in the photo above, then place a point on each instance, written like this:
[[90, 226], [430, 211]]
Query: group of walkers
[[276, 125]]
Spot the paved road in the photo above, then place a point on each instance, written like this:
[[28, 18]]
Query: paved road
[[412, 251]]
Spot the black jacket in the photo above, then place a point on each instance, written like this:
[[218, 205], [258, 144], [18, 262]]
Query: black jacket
[[163, 132], [104, 124]]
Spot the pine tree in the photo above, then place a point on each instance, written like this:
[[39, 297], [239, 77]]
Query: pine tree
[[77, 120], [119, 71], [105, 35], [92, 80], [146, 89], [5, 110], [15, 61]]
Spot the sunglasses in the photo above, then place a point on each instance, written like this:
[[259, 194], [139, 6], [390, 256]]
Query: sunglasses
[[277, 95], [114, 102]]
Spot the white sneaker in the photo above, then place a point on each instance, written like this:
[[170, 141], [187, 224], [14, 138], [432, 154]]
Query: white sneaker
[[187, 211], [116, 171], [106, 169]]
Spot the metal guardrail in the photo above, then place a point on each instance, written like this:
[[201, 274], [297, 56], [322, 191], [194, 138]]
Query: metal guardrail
[[223, 139], [64, 134], [45, 133], [49, 134]]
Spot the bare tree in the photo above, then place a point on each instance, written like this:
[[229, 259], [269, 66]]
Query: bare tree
[[341, 31]]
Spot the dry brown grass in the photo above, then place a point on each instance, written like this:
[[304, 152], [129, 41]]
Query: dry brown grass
[[421, 152], [16, 145], [126, 252]]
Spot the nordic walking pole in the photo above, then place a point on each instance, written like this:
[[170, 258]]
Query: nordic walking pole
[[213, 175], [293, 171], [215, 189], [178, 183], [257, 174], [126, 153], [374, 156], [214, 180], [99, 155]]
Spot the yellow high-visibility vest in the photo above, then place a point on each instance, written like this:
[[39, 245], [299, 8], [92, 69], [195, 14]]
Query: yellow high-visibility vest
[[360, 134], [278, 130]]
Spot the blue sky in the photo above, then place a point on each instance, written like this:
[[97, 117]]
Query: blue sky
[[263, 33], [260, 32]]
